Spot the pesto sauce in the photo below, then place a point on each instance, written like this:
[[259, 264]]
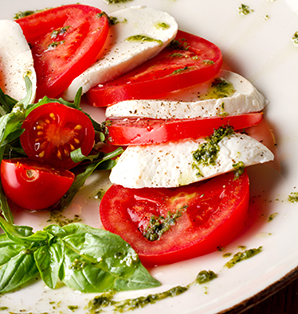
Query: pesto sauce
[[178, 71], [295, 39], [55, 44], [116, 1], [207, 152], [272, 216], [22, 14], [244, 9], [60, 31], [143, 38], [220, 88], [241, 256], [180, 44], [162, 25], [73, 307], [293, 197], [56, 217], [238, 169], [106, 299], [159, 225]]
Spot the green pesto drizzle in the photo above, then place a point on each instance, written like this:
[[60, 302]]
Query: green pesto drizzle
[[114, 20], [60, 31], [116, 1], [73, 307], [178, 71], [143, 38], [238, 169], [272, 216], [22, 14], [180, 44], [295, 38], [293, 197], [61, 220], [208, 62], [220, 88], [159, 225], [207, 152], [162, 25], [55, 44], [106, 299], [244, 9], [223, 113], [227, 254], [241, 256]]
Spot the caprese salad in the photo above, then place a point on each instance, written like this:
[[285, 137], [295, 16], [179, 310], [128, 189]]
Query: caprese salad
[[179, 117]]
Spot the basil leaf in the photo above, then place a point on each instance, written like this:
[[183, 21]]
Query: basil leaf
[[17, 270], [83, 176], [7, 103], [8, 249], [49, 259], [22, 234], [5, 209], [97, 260]]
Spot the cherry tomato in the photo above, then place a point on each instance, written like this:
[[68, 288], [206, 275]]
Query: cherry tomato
[[52, 131], [65, 41], [144, 131], [192, 61], [34, 186], [169, 225]]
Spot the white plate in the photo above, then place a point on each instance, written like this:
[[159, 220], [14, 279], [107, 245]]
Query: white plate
[[261, 50]]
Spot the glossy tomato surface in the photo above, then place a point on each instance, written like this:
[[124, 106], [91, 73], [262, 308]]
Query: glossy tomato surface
[[33, 186], [189, 61], [169, 225], [52, 131], [144, 131], [64, 41]]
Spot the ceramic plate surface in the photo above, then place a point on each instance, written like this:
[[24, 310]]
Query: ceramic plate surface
[[259, 47]]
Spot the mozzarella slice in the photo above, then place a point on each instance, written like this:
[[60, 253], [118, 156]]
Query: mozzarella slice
[[186, 103], [122, 55], [172, 164], [16, 61]]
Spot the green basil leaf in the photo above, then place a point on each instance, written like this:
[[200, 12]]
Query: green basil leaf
[[97, 260], [83, 176], [5, 209], [7, 103], [17, 271], [48, 260], [23, 234], [8, 249]]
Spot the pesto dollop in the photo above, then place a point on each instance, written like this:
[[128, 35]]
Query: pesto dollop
[[244, 9], [162, 25], [106, 299], [116, 1], [241, 256], [293, 197], [220, 88], [207, 152], [159, 225], [238, 169], [143, 38], [295, 39], [272, 216]]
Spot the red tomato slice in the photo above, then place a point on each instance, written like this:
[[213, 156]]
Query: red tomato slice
[[142, 131], [204, 216], [65, 41], [52, 131], [197, 60], [33, 186]]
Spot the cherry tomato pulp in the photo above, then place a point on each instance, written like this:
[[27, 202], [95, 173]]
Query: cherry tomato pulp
[[142, 131], [33, 186], [191, 61], [52, 131], [169, 225], [64, 41]]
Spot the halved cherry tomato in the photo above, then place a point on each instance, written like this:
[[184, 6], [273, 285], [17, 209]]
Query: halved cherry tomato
[[203, 216], [52, 131], [144, 131], [34, 186], [65, 41], [193, 61]]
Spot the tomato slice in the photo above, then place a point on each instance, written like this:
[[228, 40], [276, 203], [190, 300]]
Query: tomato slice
[[169, 225], [144, 131], [34, 186], [194, 60], [65, 41], [52, 131]]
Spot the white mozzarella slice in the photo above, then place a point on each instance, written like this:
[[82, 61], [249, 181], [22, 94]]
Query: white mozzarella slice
[[172, 164], [16, 61], [122, 55], [186, 103]]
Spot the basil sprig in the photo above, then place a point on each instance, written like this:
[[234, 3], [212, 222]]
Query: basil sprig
[[12, 115], [83, 258]]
